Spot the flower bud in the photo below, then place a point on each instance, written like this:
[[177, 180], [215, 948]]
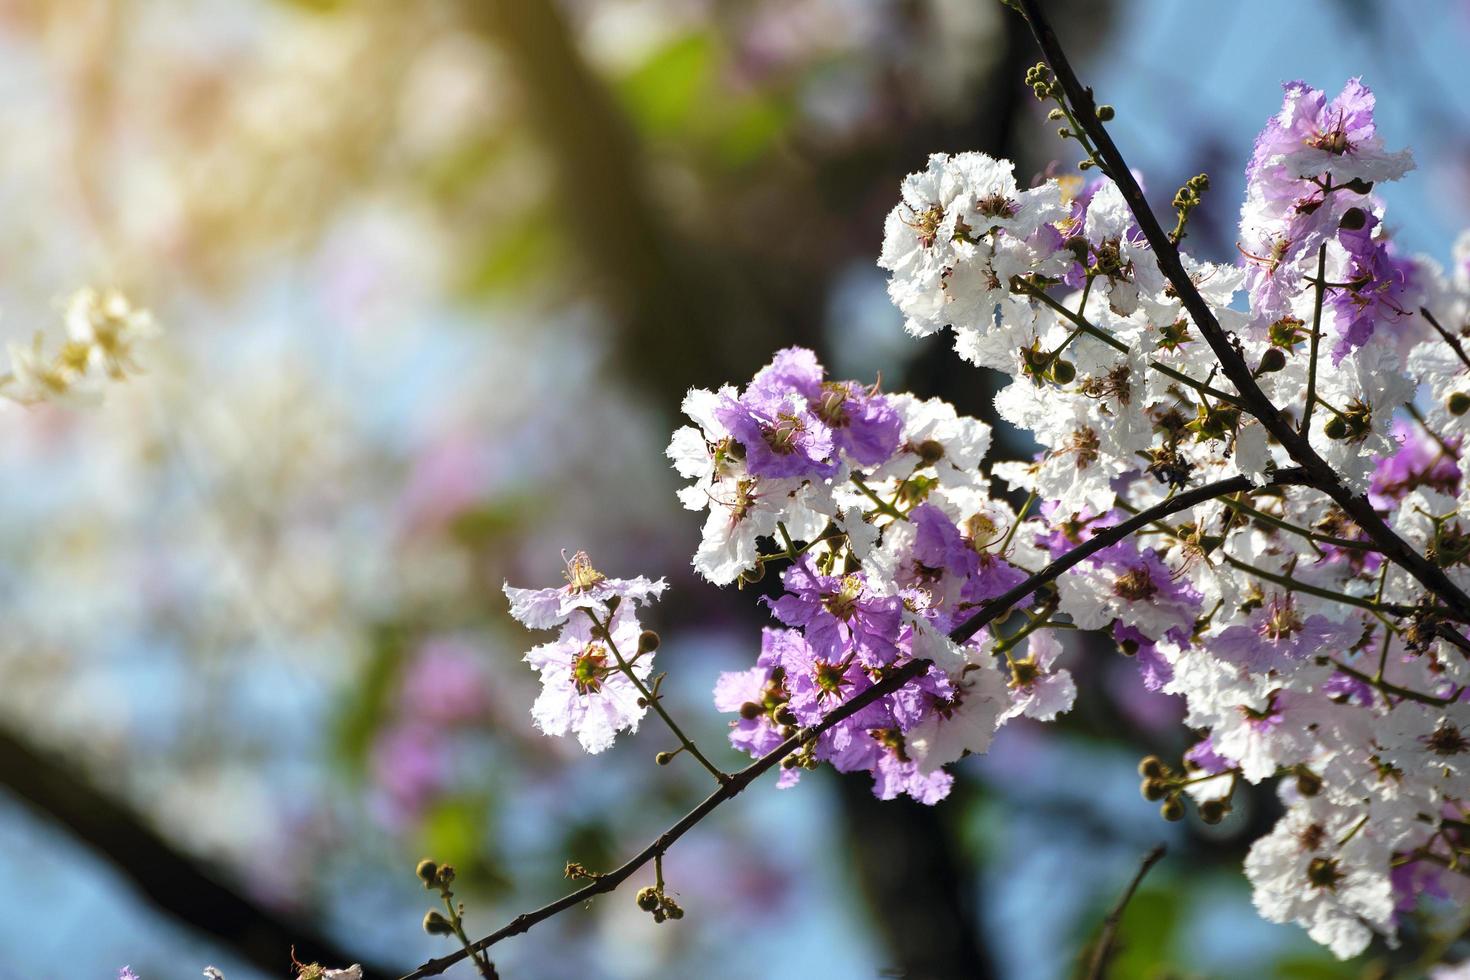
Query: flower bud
[[1173, 809], [663, 758], [1213, 811], [930, 450], [1063, 372], [785, 716], [1335, 428], [428, 872], [750, 711], [1272, 361], [648, 899], [1150, 766], [1308, 783], [436, 925], [1458, 403], [1353, 219], [1154, 790], [1105, 113], [647, 641]]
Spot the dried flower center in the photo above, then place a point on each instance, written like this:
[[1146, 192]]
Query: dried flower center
[[1312, 837], [996, 206], [1087, 446], [1324, 873], [590, 668], [1135, 585], [1447, 740], [927, 223]]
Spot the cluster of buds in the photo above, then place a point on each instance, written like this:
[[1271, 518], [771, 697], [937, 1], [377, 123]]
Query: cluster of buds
[[1161, 783]]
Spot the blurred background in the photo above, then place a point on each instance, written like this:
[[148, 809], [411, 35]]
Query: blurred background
[[434, 277]]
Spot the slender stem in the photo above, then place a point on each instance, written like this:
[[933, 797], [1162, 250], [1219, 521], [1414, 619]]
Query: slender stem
[[1284, 525], [884, 506], [890, 682], [1418, 416], [1034, 623], [1098, 966], [1016, 524], [1297, 585], [653, 701], [1092, 330], [1321, 290], [1394, 689], [1449, 338], [1319, 474]]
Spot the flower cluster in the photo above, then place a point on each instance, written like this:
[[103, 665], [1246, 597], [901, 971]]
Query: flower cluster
[[1300, 649], [592, 674], [104, 332]]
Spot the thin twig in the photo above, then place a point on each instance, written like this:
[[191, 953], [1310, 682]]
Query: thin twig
[[1098, 967]]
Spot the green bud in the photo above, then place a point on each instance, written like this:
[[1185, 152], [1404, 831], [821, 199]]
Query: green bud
[[1308, 783], [1063, 372], [1153, 790], [1273, 360], [1151, 766], [1458, 403], [930, 450], [1213, 811], [750, 711], [1173, 809], [648, 899], [1336, 428], [647, 641], [1354, 219], [1055, 115], [1105, 113], [664, 758], [785, 716], [436, 925], [428, 872]]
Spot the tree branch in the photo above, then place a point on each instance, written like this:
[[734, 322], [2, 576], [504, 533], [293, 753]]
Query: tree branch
[[175, 882], [889, 683], [1297, 445], [1097, 968]]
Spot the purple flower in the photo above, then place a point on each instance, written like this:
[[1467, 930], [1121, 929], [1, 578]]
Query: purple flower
[[1380, 281], [126, 973], [1276, 635], [586, 588], [863, 423], [1420, 461], [1311, 137], [840, 615], [781, 436]]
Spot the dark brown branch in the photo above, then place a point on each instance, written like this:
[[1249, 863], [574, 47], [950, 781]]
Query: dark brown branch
[[890, 682], [1297, 445], [1098, 966], [175, 882]]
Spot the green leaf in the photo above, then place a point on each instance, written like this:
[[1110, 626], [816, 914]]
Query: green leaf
[[664, 93]]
